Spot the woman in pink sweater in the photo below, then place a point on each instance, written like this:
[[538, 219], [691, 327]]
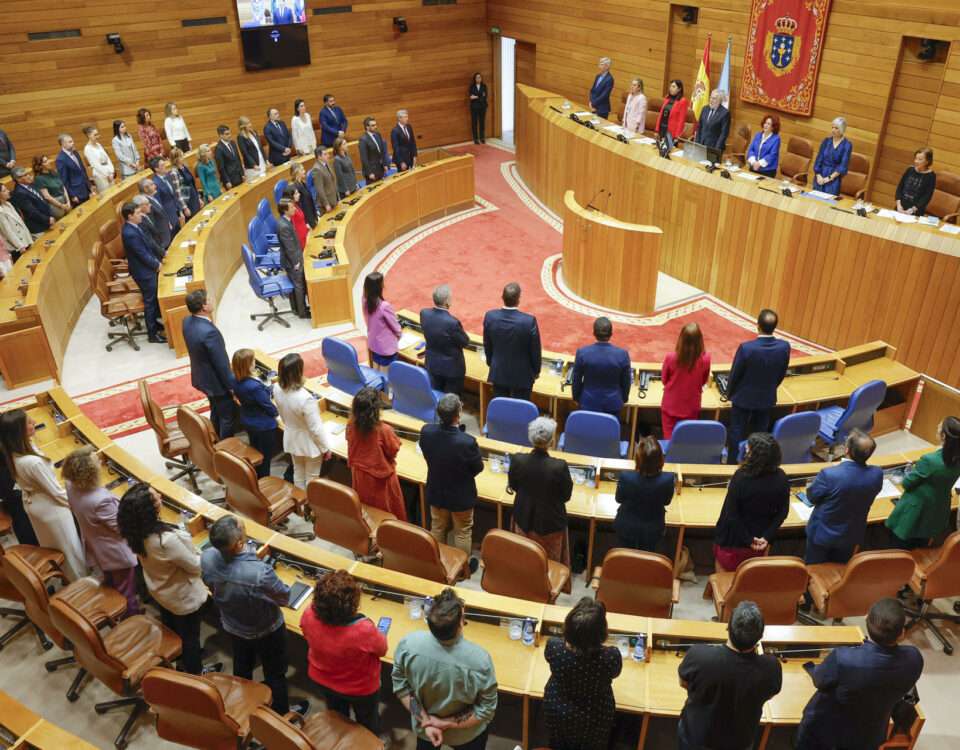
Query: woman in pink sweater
[[383, 328]]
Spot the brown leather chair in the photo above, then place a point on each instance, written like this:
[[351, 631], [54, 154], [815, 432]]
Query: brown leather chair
[[326, 730], [211, 712], [203, 443], [850, 590], [854, 182], [48, 561], [120, 658], [516, 566], [796, 161], [654, 106], [339, 516], [410, 549], [118, 279], [945, 203], [112, 239], [123, 310], [776, 583], [171, 442], [637, 583], [268, 501], [937, 576], [738, 145], [689, 124]]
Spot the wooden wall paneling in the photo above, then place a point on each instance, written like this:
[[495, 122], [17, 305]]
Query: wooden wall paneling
[[525, 63], [936, 402]]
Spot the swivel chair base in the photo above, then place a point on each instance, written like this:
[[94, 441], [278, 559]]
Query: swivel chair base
[[927, 614], [139, 708], [274, 314], [128, 335]]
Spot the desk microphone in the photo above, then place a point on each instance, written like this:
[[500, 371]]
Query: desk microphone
[[556, 109], [595, 195], [606, 205]]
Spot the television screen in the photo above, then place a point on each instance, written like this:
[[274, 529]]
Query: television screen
[[258, 13], [267, 47]]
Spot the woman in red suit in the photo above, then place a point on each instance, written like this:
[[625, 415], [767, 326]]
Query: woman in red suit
[[673, 113], [685, 372]]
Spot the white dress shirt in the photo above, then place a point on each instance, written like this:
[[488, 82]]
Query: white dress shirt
[[176, 129]]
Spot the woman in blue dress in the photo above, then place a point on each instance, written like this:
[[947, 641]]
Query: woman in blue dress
[[833, 159], [763, 156]]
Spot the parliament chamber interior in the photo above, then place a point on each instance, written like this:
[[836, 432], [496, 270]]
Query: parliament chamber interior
[[553, 375]]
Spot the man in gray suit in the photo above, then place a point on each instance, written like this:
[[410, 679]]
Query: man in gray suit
[[291, 258], [324, 180]]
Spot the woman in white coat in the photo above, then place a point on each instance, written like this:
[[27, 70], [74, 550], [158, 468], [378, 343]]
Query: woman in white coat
[[43, 496], [96, 156], [301, 129], [304, 436]]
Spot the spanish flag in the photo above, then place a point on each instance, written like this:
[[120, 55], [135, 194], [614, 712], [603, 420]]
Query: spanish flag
[[701, 89]]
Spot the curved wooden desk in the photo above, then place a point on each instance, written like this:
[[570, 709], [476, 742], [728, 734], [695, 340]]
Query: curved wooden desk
[[835, 278], [609, 262]]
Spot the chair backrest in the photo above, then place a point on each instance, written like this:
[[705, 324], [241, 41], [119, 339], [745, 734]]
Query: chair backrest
[[946, 196], [653, 109], [255, 235], [7, 590], [253, 276], [153, 414], [311, 187], [410, 549], [507, 419], [265, 214], [797, 158], [943, 576], [592, 434], [696, 441], [412, 394], [88, 647], [864, 402], [338, 515], [636, 583], [29, 585], [869, 576], [243, 490], [343, 366], [189, 710], [740, 140], [198, 430], [112, 239], [329, 730], [98, 285], [514, 566], [855, 180], [796, 434], [775, 583], [278, 191]]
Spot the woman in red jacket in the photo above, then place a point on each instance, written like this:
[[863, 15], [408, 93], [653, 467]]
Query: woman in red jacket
[[292, 193], [673, 113], [685, 372]]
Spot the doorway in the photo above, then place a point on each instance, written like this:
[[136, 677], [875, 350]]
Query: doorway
[[508, 57]]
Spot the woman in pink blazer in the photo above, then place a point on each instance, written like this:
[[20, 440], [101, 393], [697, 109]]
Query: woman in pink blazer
[[685, 372], [383, 328]]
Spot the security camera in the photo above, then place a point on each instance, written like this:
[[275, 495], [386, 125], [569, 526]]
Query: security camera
[[117, 43]]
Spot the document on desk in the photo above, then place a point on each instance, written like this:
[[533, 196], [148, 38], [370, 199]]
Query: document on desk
[[606, 505], [804, 511], [822, 195], [644, 140], [950, 229], [407, 340], [889, 490], [905, 218], [930, 221], [615, 129], [748, 176], [180, 283], [584, 115]]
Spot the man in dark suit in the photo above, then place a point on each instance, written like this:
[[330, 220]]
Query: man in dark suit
[[759, 366], [8, 154], [858, 686], [158, 214], [324, 180], [282, 12], [453, 460], [373, 151], [166, 193], [73, 174], [149, 226], [333, 123], [291, 258], [143, 258], [601, 372], [601, 89], [842, 495], [278, 138], [714, 123], [445, 340], [31, 205], [511, 343], [227, 156], [404, 142], [210, 371]]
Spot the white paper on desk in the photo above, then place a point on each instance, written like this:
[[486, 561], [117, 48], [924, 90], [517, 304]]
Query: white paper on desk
[[588, 115], [335, 428], [930, 221], [950, 229], [180, 283], [748, 176], [606, 504], [644, 140], [209, 212], [905, 218], [801, 510], [886, 213], [187, 244], [733, 169], [407, 340], [888, 490], [823, 195], [615, 129]]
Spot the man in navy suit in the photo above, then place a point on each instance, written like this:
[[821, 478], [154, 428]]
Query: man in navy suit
[[210, 371], [278, 138], [28, 201], [166, 194], [453, 461], [842, 496], [282, 12], [445, 339], [157, 214], [73, 174], [143, 258], [404, 142], [858, 686], [601, 89], [759, 367], [374, 158], [601, 372], [511, 343], [333, 123], [714, 123]]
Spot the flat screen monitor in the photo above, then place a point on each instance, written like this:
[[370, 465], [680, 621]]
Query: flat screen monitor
[[257, 13], [699, 152], [274, 33]]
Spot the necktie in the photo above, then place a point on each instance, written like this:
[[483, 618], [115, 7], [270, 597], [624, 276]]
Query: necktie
[[374, 139], [405, 133], [76, 158]]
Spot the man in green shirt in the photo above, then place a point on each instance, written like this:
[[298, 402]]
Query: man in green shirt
[[446, 682]]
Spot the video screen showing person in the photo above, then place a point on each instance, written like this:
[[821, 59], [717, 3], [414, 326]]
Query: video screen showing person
[[255, 13]]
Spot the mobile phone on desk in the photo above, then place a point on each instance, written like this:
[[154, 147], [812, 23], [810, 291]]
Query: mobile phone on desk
[[383, 624], [802, 497]]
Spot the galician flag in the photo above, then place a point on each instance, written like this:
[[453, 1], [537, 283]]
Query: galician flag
[[701, 89], [724, 84]]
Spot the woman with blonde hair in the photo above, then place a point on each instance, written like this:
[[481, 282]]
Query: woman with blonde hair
[[175, 128], [258, 414], [207, 173], [187, 184], [304, 435], [685, 371], [251, 152]]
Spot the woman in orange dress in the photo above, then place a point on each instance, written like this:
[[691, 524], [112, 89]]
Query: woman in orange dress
[[372, 448]]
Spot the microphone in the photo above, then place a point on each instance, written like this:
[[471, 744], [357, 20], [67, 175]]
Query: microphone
[[595, 195], [606, 205]]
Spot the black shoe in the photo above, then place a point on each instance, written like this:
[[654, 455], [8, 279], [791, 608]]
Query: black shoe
[[300, 707], [158, 339], [217, 666], [476, 141], [474, 564], [483, 140]]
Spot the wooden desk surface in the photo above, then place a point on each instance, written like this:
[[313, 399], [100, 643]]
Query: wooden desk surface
[[15, 717]]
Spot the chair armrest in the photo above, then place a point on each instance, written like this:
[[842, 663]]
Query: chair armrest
[[802, 178], [595, 578], [294, 718], [676, 591], [952, 218], [861, 194]]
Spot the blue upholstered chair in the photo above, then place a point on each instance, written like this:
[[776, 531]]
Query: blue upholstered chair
[[267, 258], [695, 441], [267, 288], [592, 433], [507, 420], [796, 434], [412, 394], [836, 422], [278, 191], [311, 187], [269, 221], [344, 370]]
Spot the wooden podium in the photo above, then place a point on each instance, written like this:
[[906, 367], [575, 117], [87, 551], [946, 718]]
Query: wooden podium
[[609, 262]]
